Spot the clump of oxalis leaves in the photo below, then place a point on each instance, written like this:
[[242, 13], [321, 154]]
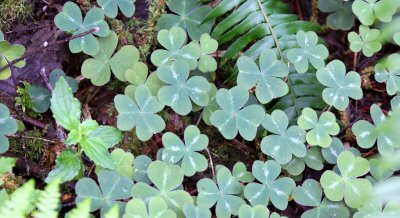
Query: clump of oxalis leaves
[[287, 96]]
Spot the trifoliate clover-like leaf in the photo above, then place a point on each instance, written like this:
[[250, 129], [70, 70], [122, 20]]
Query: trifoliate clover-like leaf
[[309, 52], [389, 73], [313, 160], [181, 90], [189, 16], [396, 38], [267, 77], [225, 193], [124, 163], [10, 53], [186, 153], [112, 189], [208, 46], [332, 152], [375, 209], [258, 211], [56, 74], [98, 69], [68, 166], [1, 36], [110, 7], [284, 142], [140, 115], [382, 168], [189, 210], [174, 41], [70, 20], [367, 134], [340, 86], [241, 174], [234, 116], [367, 41], [157, 208], [341, 16], [141, 164], [269, 188], [40, 98], [347, 185], [367, 11], [137, 75], [320, 129], [152, 82], [310, 194], [166, 179], [8, 126]]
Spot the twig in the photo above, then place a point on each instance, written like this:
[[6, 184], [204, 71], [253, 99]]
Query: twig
[[211, 163], [31, 137], [33, 122], [46, 45]]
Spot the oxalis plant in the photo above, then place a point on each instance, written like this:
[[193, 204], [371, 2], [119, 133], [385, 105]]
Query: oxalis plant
[[285, 99]]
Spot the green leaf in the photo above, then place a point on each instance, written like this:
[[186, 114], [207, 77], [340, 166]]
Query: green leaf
[[6, 165], [189, 210], [313, 160], [113, 189], [66, 109], [225, 194], [383, 168], [241, 174], [40, 98], [98, 69], [208, 46], [157, 208], [113, 212], [141, 114], [212, 104], [20, 201], [347, 186], [108, 134], [189, 16], [258, 211], [309, 52], [110, 7], [375, 209], [124, 162], [8, 126], [82, 210], [269, 188], [55, 76], [369, 10], [174, 41], [68, 165], [389, 73], [1, 36], [182, 90], [367, 134], [141, 164], [97, 151], [186, 153], [328, 208], [48, 201], [137, 75], [234, 116], [367, 41], [267, 77], [341, 16], [309, 194], [166, 179], [9, 53], [320, 129], [340, 86], [332, 152], [285, 141], [70, 20]]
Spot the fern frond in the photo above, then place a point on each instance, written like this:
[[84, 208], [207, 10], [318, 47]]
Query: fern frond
[[48, 201], [265, 22], [81, 211], [20, 201], [305, 91]]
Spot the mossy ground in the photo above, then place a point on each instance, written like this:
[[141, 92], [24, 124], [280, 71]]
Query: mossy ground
[[14, 11]]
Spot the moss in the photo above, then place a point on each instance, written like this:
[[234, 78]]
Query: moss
[[29, 145], [11, 182], [132, 143], [14, 11], [23, 100]]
